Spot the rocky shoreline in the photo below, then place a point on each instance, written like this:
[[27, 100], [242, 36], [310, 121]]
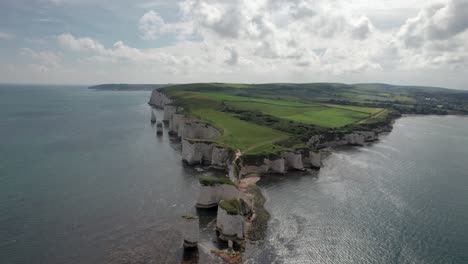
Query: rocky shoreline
[[243, 194]]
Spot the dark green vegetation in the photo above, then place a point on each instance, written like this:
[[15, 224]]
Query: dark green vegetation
[[257, 230], [268, 118], [128, 87], [232, 207], [211, 181]]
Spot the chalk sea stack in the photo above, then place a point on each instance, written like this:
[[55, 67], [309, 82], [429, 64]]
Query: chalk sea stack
[[229, 220], [159, 128], [190, 231]]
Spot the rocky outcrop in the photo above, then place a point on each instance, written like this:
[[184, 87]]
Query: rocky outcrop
[[159, 99], [293, 160], [286, 161], [190, 231], [315, 158], [356, 138], [229, 227], [210, 196], [275, 165]]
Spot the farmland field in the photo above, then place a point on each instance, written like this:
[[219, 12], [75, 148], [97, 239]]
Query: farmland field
[[262, 117], [221, 108], [323, 115]]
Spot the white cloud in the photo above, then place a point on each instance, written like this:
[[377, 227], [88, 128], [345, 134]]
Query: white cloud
[[436, 37], [68, 41], [6, 36], [362, 28], [233, 56], [43, 61], [151, 25], [281, 40], [120, 52]]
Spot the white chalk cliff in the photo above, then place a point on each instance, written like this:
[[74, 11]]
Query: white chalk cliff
[[210, 196], [158, 99], [230, 227]]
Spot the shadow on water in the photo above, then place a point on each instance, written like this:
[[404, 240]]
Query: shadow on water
[[191, 256]]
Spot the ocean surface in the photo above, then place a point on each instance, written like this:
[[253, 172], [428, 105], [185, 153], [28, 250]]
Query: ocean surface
[[85, 179], [401, 200]]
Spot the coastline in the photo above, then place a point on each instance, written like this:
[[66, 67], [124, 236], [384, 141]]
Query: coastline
[[197, 148]]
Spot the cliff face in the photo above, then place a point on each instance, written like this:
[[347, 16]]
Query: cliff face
[[315, 159], [189, 127], [356, 138], [230, 227], [221, 158], [210, 196], [287, 161], [169, 111], [292, 160], [196, 152], [159, 99]]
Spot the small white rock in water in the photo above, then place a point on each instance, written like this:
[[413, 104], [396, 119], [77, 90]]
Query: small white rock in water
[[199, 169]]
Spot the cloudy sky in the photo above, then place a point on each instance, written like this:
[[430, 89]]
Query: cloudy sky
[[420, 42]]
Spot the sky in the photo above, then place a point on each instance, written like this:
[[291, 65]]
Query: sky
[[412, 42]]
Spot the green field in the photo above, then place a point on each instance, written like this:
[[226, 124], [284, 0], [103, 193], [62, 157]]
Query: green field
[[271, 117], [237, 133], [324, 115]]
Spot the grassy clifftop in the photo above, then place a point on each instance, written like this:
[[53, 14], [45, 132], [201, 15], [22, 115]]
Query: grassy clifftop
[[267, 118]]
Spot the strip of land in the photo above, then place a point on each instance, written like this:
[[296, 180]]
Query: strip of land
[[268, 118]]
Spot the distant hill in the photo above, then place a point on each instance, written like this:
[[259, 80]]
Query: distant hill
[[128, 87]]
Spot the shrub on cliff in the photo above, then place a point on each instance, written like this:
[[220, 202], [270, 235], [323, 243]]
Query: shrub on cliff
[[211, 181], [232, 207]]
